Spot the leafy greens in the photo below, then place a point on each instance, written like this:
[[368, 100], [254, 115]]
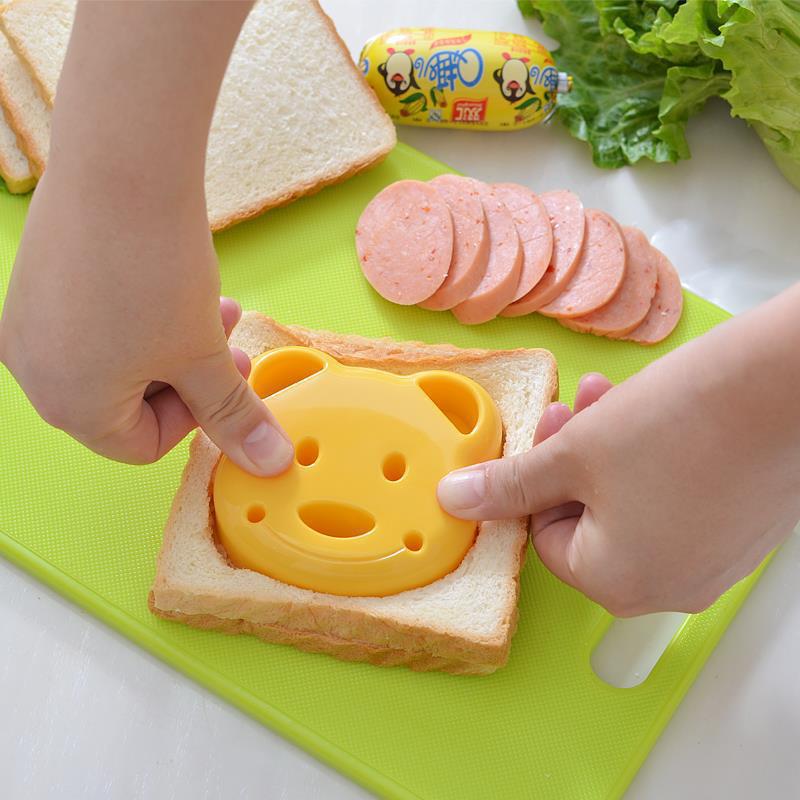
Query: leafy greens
[[641, 68]]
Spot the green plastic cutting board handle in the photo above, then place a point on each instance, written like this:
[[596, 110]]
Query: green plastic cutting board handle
[[545, 726]]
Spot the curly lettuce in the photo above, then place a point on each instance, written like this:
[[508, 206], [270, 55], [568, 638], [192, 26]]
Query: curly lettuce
[[760, 45], [642, 25], [642, 68]]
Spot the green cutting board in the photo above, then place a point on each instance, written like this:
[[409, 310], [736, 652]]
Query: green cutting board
[[543, 727]]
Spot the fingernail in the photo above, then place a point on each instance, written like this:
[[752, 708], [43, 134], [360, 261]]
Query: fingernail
[[460, 491], [268, 449]]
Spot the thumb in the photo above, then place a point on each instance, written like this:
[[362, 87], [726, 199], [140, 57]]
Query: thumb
[[234, 416], [508, 487]]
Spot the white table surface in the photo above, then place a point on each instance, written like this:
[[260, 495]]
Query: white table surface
[[85, 713]]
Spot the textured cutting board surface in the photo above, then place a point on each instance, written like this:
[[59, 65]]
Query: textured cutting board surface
[[544, 726]]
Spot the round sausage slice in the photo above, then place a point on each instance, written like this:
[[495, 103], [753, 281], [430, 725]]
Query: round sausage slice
[[404, 240], [567, 222], [470, 241], [499, 283], [665, 310], [535, 233], [599, 273], [632, 302]]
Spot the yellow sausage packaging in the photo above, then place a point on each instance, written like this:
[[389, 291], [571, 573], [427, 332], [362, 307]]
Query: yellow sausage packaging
[[484, 80], [356, 514]]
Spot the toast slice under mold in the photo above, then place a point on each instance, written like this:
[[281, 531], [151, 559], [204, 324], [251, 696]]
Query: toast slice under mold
[[461, 623]]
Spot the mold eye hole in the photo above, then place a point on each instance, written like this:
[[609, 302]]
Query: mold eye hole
[[307, 451], [394, 466], [256, 513], [413, 541]]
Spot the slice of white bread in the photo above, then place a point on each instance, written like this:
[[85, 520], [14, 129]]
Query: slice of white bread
[[279, 130], [15, 169], [462, 623], [39, 32], [293, 115], [27, 114]]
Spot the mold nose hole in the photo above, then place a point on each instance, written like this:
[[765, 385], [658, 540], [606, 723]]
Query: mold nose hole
[[256, 513], [336, 519], [413, 541]]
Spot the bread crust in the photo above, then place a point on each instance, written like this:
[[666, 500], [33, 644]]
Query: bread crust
[[15, 185], [25, 140], [346, 650], [24, 56], [298, 191], [349, 628]]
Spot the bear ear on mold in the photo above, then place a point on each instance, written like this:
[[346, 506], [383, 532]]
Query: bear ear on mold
[[454, 396], [279, 369]]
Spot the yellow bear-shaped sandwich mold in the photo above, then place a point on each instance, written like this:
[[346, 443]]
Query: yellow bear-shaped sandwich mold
[[356, 514]]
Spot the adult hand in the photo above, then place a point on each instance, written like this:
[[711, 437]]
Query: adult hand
[[112, 321], [120, 339], [673, 485]]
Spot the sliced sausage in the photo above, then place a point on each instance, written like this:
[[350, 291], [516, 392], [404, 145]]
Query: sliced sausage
[[499, 283], [535, 233], [599, 273], [567, 222], [665, 310], [470, 241], [632, 302], [404, 240]]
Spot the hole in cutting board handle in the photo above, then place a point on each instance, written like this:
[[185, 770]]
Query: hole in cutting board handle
[[630, 648]]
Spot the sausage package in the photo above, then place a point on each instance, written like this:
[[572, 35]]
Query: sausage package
[[482, 80]]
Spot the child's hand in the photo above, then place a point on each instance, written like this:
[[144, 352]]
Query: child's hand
[[112, 320], [675, 484], [109, 297]]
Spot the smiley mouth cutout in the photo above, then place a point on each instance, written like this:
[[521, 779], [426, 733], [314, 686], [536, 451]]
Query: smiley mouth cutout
[[336, 519]]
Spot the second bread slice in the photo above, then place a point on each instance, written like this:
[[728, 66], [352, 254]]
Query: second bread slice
[[285, 124]]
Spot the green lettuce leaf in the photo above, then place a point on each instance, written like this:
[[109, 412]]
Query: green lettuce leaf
[[695, 24], [686, 90], [760, 45], [785, 151], [616, 101], [642, 68], [642, 24]]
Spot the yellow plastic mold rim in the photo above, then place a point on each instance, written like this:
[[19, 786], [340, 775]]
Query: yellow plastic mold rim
[[356, 513]]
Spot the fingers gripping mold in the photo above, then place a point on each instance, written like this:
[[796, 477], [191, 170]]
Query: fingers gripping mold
[[356, 514]]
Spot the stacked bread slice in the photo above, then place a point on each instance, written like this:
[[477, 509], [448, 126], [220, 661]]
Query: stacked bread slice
[[276, 134], [15, 168], [487, 250]]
